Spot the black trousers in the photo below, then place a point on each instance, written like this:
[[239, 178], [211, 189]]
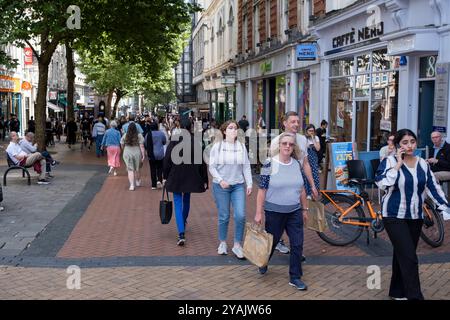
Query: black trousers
[[156, 170], [404, 235], [292, 222]]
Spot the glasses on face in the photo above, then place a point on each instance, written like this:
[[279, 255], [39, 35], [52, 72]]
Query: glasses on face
[[287, 144]]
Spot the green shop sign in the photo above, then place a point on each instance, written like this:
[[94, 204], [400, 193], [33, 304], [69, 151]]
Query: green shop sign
[[266, 66]]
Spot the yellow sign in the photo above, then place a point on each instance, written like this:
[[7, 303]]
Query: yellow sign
[[9, 84]]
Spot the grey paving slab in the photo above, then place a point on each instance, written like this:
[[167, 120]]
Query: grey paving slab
[[30, 209]]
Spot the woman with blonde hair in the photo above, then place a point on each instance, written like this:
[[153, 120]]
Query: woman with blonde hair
[[230, 167], [282, 196]]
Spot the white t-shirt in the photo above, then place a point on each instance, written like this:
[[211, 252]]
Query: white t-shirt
[[310, 141], [14, 150]]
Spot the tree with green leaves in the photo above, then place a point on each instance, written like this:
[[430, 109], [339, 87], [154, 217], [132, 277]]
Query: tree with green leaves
[[141, 32]]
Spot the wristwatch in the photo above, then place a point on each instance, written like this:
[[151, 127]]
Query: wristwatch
[[305, 209]]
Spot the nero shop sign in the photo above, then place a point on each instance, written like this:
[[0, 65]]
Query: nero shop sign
[[356, 36]]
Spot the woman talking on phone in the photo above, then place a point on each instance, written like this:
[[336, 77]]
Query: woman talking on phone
[[406, 178]]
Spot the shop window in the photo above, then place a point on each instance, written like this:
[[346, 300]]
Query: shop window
[[363, 63], [428, 67], [362, 86], [342, 67], [258, 106], [280, 101], [303, 99], [382, 61], [383, 112], [341, 109]]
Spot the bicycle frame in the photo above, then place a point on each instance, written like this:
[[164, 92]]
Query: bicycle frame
[[358, 202]]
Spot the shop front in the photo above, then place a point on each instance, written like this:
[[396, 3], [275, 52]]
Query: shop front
[[274, 86], [10, 96], [361, 87], [381, 71]]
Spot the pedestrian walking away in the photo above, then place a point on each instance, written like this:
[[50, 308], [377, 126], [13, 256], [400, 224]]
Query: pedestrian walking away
[[282, 196], [111, 141], [155, 140], [406, 178], [98, 131], [133, 155], [230, 167], [184, 176]]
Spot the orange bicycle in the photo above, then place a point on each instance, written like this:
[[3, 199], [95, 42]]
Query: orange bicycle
[[346, 218]]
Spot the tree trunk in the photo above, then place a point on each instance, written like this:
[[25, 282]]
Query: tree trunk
[[119, 96], [47, 50], [70, 82], [108, 105], [41, 105]]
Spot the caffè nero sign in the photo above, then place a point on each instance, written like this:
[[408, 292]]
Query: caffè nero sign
[[360, 35]]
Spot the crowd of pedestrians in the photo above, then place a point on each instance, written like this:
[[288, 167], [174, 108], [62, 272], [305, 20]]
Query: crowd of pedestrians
[[288, 178]]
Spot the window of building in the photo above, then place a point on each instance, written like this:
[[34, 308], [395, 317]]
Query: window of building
[[230, 30], [244, 34], [363, 98], [267, 19], [256, 28]]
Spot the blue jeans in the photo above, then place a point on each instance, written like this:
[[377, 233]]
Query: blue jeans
[[98, 145], [276, 223], [48, 160], [235, 195], [182, 202]]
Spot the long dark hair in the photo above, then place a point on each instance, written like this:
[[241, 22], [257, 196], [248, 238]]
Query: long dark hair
[[401, 133], [132, 138]]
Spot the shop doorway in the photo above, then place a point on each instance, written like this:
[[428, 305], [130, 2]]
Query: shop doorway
[[426, 106]]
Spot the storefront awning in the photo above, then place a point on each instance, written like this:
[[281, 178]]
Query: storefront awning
[[54, 107]]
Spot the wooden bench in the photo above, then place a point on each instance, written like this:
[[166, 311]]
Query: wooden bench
[[12, 166]]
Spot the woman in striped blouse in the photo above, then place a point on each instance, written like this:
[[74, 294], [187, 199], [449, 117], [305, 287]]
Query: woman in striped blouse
[[406, 178]]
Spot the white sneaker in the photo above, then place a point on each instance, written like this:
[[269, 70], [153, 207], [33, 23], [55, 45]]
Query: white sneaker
[[238, 252], [138, 183], [158, 185], [110, 170], [115, 173], [222, 250], [131, 188]]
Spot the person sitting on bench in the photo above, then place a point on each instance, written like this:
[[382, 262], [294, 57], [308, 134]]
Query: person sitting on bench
[[21, 158], [26, 144], [440, 160]]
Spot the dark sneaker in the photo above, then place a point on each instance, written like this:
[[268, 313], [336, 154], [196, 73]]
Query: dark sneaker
[[298, 284], [303, 258], [54, 163], [181, 240], [263, 270], [43, 181]]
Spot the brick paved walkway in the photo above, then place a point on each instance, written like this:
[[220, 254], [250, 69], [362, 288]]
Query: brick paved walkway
[[119, 228], [217, 282]]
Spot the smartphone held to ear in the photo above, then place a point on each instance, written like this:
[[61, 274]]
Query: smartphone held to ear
[[403, 153]]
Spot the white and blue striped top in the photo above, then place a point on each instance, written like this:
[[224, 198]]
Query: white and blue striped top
[[406, 188]]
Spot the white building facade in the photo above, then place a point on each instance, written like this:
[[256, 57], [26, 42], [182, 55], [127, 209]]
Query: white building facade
[[384, 66]]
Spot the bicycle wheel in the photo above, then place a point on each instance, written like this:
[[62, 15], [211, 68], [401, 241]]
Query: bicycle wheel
[[338, 233], [433, 229]]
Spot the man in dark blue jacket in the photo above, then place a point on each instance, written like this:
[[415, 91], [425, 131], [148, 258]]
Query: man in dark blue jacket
[[440, 157]]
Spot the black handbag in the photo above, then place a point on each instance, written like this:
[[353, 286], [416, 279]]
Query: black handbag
[[165, 208]]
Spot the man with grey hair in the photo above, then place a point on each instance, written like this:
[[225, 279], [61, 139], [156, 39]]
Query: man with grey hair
[[440, 159], [20, 157], [27, 145]]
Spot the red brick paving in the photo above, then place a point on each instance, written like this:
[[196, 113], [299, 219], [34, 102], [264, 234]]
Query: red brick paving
[[124, 223]]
